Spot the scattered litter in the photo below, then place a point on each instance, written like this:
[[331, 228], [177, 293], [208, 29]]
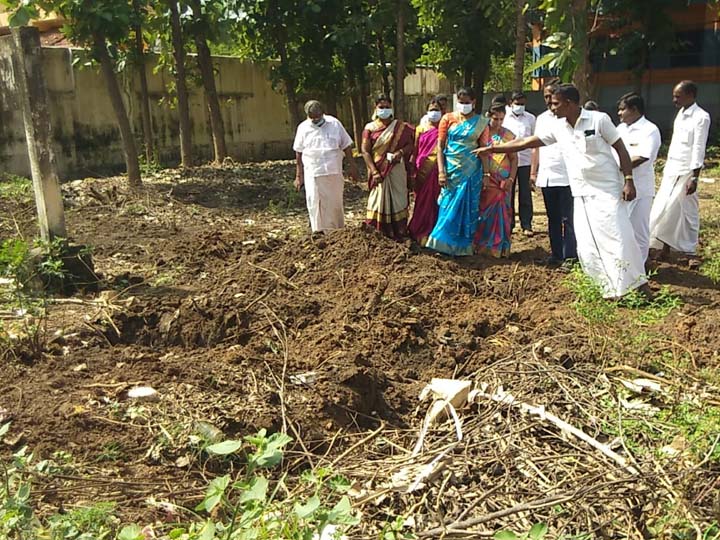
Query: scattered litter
[[641, 386], [80, 367], [304, 379], [513, 329], [143, 392], [249, 242], [707, 180]]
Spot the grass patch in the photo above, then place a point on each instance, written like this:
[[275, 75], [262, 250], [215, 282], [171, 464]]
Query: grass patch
[[15, 188], [596, 310]]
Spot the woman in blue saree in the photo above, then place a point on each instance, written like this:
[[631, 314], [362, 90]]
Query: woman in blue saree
[[460, 175]]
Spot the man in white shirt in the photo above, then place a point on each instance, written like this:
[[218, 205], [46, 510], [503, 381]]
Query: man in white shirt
[[548, 172], [320, 142], [606, 244], [642, 140], [675, 216], [522, 124]]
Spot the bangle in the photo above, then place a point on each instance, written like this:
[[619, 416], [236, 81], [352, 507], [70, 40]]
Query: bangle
[[628, 177]]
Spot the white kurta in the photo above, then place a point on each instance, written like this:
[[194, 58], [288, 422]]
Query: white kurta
[[642, 139], [522, 125], [675, 216], [606, 244], [322, 154]]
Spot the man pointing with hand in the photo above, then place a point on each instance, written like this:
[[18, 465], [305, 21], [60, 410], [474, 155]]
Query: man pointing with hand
[[606, 244]]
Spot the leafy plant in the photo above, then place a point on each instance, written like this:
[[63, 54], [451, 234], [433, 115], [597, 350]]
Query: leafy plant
[[536, 532], [589, 301]]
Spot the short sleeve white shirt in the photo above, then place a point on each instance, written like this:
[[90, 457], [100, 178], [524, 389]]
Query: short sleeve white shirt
[[522, 125], [687, 146], [551, 166], [587, 151], [322, 147], [642, 139]]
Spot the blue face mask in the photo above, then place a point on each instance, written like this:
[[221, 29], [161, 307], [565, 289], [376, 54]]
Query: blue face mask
[[318, 122], [384, 114]]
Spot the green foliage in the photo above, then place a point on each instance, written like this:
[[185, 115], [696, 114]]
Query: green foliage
[[710, 267], [596, 310], [15, 188], [247, 507], [536, 532], [502, 73], [589, 301]]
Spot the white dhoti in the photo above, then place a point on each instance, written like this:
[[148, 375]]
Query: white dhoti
[[324, 197], [606, 245], [639, 211], [675, 216]]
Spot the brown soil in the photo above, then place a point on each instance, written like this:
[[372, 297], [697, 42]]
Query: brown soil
[[219, 299]]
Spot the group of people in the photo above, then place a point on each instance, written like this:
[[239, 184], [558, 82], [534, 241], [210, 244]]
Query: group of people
[[597, 180]]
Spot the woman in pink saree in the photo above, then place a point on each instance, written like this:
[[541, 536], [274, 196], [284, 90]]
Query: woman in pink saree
[[426, 186], [495, 222]]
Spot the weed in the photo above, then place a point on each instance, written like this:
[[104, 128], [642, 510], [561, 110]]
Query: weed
[[655, 310], [589, 302], [290, 199], [134, 209], [16, 188], [151, 167], [95, 522], [711, 264], [536, 532]]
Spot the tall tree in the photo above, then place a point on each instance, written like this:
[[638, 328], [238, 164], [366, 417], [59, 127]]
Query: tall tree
[[201, 24], [102, 26], [179, 55], [447, 23], [140, 62], [400, 61], [520, 42]]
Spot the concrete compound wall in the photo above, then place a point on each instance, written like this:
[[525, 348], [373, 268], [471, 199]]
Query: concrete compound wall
[[87, 142]]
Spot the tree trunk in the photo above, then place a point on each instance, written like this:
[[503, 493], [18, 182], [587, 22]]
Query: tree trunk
[[357, 121], [144, 94], [364, 96], [355, 107], [181, 86], [520, 38], [399, 105], [583, 73], [289, 81], [467, 77], [205, 64], [383, 65], [479, 75], [128, 140]]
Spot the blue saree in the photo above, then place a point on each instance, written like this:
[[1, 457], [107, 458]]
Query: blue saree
[[459, 201]]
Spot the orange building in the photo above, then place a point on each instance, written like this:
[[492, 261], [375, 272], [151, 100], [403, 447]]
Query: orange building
[[696, 57]]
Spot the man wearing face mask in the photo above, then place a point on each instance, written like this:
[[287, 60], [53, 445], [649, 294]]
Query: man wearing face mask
[[522, 124], [320, 142]]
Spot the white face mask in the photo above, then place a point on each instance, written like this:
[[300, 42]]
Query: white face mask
[[465, 108], [384, 114], [518, 109], [434, 116]]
